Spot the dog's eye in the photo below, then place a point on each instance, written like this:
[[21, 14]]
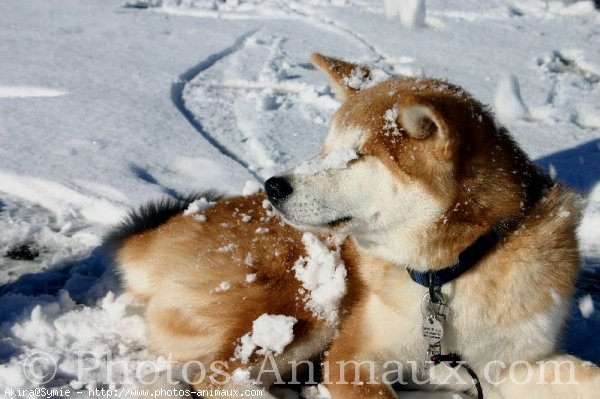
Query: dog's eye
[[359, 156]]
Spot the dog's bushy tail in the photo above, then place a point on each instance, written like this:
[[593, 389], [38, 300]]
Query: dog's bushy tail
[[143, 219], [150, 216]]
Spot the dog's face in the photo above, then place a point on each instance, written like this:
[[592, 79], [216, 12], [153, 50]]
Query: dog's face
[[389, 164], [353, 185]]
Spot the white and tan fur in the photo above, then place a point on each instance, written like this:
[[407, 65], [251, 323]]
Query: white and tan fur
[[421, 190]]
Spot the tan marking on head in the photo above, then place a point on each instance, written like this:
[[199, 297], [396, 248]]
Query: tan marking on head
[[406, 150]]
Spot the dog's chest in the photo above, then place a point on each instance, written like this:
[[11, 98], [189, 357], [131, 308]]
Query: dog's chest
[[394, 318]]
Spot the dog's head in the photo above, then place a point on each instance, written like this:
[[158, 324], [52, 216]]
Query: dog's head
[[403, 158]]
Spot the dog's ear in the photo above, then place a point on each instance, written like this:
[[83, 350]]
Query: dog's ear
[[343, 75], [420, 118]]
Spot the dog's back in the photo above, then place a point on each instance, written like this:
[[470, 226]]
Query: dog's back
[[207, 275]]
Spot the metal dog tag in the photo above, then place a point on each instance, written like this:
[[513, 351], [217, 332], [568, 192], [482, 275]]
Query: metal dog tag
[[432, 330]]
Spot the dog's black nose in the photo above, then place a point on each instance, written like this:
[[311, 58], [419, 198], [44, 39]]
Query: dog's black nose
[[278, 188]]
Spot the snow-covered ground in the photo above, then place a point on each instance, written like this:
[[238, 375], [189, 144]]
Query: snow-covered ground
[[104, 106]]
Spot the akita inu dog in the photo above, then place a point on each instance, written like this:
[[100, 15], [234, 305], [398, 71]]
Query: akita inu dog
[[416, 176]]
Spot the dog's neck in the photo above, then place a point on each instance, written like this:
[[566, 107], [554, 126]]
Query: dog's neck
[[440, 243], [421, 251], [415, 249]]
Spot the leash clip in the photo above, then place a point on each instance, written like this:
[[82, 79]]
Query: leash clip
[[438, 308]]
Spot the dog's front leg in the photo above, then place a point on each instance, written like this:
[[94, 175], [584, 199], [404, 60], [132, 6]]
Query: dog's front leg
[[557, 376], [351, 375]]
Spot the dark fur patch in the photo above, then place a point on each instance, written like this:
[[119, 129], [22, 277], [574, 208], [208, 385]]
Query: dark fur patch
[[150, 216]]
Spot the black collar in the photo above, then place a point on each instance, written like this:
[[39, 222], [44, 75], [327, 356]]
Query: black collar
[[466, 260], [476, 251]]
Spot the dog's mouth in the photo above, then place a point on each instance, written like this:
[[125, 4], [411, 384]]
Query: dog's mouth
[[334, 224], [339, 222], [296, 220]]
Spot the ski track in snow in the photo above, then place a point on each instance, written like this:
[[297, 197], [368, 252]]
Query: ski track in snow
[[295, 11], [245, 109], [177, 97], [329, 22]]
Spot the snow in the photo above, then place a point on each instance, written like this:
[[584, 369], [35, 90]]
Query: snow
[[411, 12], [316, 392], [241, 375], [323, 276], [586, 306], [26, 91], [251, 187], [360, 80], [335, 159], [508, 102], [391, 121], [200, 218], [270, 333], [266, 204], [197, 206], [223, 286], [226, 248], [104, 107], [64, 331]]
